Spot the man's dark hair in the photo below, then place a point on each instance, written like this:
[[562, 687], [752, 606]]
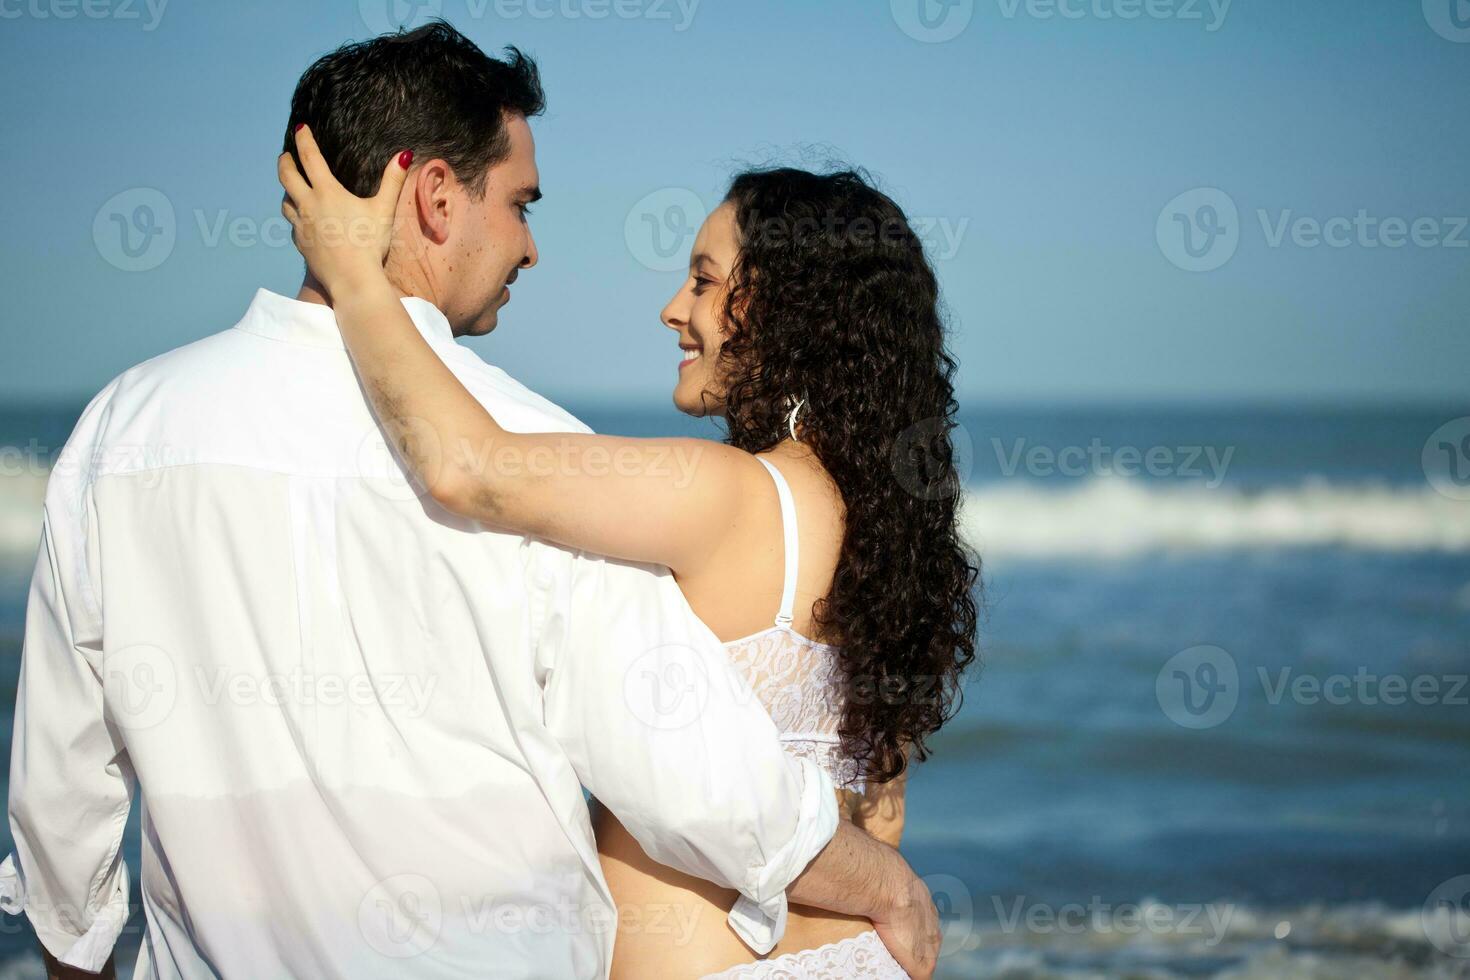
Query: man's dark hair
[[430, 90]]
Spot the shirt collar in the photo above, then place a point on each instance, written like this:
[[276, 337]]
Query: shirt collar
[[314, 325]]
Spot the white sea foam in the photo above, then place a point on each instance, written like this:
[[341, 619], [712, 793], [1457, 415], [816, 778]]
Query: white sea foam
[[1315, 942], [1106, 517], [21, 495], [1111, 517], [24, 967]]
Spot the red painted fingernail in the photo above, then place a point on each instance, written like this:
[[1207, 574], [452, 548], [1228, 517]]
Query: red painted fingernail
[[405, 158], [298, 127]]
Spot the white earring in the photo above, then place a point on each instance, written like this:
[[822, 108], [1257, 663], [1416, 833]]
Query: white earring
[[791, 418]]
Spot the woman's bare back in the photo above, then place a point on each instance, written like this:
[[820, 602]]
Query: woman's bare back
[[671, 924]]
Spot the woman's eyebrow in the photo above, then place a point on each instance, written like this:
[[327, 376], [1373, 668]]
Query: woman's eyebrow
[[702, 258]]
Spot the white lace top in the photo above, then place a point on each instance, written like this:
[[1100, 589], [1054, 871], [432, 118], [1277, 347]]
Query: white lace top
[[796, 678]]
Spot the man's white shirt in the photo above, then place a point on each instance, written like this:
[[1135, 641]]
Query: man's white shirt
[[357, 725]]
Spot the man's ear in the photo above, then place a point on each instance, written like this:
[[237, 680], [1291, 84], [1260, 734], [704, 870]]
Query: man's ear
[[433, 199]]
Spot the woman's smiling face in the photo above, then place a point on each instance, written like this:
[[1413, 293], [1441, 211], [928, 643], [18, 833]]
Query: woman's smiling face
[[695, 313]]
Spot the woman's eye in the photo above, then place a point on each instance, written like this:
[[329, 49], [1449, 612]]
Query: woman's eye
[[700, 284]]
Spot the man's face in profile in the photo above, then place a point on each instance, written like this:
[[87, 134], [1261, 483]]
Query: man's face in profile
[[492, 242]]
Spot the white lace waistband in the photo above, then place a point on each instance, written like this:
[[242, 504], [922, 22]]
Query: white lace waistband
[[862, 957]]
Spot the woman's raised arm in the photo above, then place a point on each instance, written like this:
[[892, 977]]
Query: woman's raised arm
[[668, 501]]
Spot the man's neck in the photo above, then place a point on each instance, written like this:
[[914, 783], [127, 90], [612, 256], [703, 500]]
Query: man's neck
[[312, 291]]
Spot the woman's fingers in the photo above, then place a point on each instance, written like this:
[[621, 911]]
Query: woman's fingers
[[333, 228], [289, 212], [312, 160], [297, 189], [391, 186]]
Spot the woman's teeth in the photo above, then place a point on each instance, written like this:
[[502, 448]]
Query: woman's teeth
[[690, 355]]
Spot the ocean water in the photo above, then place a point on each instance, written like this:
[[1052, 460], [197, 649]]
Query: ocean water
[[1223, 724]]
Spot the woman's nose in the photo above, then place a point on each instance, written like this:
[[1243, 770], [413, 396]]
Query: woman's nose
[[672, 315]]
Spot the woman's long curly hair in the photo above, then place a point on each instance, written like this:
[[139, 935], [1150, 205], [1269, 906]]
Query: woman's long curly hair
[[833, 301]]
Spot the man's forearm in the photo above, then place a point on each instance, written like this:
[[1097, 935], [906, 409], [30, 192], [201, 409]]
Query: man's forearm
[[855, 874]]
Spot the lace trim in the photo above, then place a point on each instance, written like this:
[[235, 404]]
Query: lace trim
[[861, 957], [808, 641], [845, 772], [799, 683], [798, 686]]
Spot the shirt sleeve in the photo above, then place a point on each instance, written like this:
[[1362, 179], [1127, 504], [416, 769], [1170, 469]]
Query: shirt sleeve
[[661, 727], [70, 780]]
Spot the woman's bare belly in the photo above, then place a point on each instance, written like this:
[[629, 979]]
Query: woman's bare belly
[[672, 925]]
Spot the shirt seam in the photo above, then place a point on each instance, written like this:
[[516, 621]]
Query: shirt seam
[[119, 821]]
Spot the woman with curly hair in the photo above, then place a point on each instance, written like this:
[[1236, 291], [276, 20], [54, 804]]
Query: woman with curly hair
[[819, 542]]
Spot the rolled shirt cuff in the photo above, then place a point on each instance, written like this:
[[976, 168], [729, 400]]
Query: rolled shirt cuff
[[92, 949], [759, 914]]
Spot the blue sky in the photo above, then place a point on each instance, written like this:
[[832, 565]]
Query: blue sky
[[1070, 161]]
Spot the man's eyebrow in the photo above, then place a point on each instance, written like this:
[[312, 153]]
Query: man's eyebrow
[[531, 192]]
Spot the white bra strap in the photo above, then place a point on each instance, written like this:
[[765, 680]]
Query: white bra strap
[[789, 536]]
